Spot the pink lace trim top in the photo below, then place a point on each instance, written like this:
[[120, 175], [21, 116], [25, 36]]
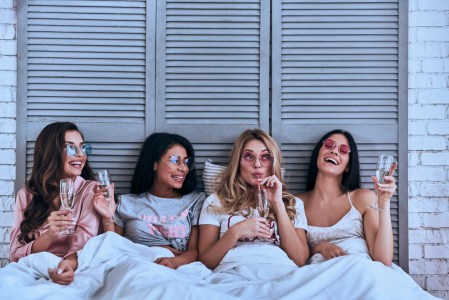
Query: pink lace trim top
[[348, 233]]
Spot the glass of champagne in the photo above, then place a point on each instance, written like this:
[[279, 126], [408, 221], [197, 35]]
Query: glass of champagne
[[262, 203], [104, 178], [384, 164], [67, 202]]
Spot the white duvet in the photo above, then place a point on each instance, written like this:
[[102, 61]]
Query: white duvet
[[112, 267]]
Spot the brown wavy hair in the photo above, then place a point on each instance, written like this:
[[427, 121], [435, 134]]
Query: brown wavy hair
[[234, 192], [47, 170]]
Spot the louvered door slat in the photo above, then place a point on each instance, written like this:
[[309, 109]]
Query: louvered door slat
[[86, 63], [212, 68]]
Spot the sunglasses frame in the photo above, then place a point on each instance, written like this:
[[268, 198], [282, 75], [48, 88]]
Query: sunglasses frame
[[72, 149], [334, 144], [176, 163], [253, 160]]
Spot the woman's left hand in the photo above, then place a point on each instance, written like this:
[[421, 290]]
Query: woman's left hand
[[104, 206], [63, 274], [386, 189], [169, 262], [273, 186]]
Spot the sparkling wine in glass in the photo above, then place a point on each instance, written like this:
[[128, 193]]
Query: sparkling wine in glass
[[384, 164], [104, 180], [262, 203], [67, 201]]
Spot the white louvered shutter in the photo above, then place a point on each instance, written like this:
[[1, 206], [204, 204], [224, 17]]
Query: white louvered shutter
[[336, 65], [212, 69], [85, 63]]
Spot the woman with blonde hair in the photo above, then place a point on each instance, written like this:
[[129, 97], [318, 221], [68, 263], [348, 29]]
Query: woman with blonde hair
[[229, 222]]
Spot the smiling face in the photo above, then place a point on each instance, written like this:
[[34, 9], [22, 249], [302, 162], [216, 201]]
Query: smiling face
[[73, 165], [170, 175], [251, 171], [332, 160]]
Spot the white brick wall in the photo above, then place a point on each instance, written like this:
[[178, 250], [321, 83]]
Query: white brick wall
[[428, 138], [428, 144], [8, 88]]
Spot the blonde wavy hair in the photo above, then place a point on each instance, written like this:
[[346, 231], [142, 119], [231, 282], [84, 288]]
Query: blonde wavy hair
[[234, 192]]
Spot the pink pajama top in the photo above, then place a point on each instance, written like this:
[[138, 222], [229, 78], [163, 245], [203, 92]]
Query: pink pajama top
[[87, 224]]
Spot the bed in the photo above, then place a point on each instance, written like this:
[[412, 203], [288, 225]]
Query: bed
[[112, 267]]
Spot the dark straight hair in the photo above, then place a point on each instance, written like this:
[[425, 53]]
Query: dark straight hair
[[351, 179], [154, 147]]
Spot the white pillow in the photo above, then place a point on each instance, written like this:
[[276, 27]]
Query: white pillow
[[210, 173]]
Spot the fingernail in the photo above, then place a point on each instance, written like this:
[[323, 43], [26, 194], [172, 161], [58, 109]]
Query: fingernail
[[59, 271]]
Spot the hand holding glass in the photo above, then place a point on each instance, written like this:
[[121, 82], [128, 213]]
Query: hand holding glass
[[67, 202], [384, 164], [104, 179]]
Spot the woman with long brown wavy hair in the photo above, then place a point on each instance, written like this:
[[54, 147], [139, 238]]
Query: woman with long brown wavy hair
[[228, 217], [60, 152]]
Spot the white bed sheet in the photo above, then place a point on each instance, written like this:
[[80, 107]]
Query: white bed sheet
[[112, 267]]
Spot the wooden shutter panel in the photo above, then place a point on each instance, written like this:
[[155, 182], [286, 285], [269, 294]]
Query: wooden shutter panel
[[86, 63], [336, 65], [212, 72]]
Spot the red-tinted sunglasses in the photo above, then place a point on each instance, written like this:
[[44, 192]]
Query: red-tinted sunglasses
[[331, 144]]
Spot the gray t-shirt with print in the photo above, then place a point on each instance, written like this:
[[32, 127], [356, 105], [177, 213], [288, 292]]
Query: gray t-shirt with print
[[153, 221]]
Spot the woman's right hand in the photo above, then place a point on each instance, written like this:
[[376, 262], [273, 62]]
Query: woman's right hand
[[252, 228], [64, 274], [59, 220], [328, 250]]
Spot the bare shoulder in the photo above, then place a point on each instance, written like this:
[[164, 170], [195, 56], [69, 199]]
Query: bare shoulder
[[304, 197], [361, 198]]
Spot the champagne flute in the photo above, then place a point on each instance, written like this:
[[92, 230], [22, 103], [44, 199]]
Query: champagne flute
[[384, 164], [104, 178], [67, 201], [262, 203]]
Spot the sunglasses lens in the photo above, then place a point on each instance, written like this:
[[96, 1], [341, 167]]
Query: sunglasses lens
[[70, 150], [248, 156], [266, 159], [344, 149], [174, 159], [189, 163], [86, 149], [329, 144]]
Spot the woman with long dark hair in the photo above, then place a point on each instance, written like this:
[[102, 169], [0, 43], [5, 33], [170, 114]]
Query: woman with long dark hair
[[163, 208], [340, 221], [60, 152]]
